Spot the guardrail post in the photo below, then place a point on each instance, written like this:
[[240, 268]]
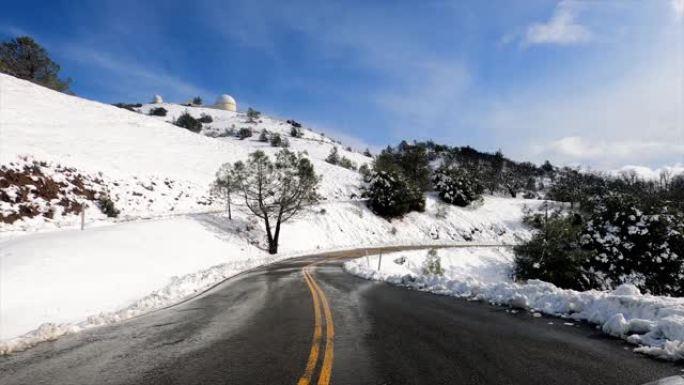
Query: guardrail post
[[83, 217], [379, 261]]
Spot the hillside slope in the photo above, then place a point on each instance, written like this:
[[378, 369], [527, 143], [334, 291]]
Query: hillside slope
[[138, 156]]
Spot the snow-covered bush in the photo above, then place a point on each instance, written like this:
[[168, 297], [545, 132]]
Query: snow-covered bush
[[347, 163], [333, 157], [432, 265], [365, 171], [456, 186], [631, 243], [188, 122], [391, 195], [616, 239], [263, 137]]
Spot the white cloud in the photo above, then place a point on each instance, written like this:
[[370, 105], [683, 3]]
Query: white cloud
[[678, 8], [562, 28], [575, 149]]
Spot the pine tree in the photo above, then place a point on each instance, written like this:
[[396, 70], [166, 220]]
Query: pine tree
[[24, 58]]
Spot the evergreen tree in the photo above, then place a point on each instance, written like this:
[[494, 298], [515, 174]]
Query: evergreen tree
[[333, 157], [252, 115], [391, 195], [25, 59]]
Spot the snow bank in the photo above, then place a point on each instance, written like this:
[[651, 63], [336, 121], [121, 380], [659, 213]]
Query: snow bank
[[60, 279], [654, 323]]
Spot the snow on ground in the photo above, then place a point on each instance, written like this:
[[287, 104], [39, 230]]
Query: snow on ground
[[67, 280], [131, 150], [51, 282], [654, 323], [78, 279]]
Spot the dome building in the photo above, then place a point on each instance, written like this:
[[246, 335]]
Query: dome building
[[157, 99], [226, 102]]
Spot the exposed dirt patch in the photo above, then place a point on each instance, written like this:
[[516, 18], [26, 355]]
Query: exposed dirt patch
[[30, 188]]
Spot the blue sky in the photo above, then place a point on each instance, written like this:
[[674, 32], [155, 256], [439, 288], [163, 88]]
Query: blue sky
[[596, 83]]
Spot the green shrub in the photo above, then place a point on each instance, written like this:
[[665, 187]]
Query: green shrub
[[252, 115], [205, 118], [296, 132], [347, 163], [188, 122], [333, 157], [276, 140], [244, 133], [107, 206], [158, 111], [553, 254], [390, 195]]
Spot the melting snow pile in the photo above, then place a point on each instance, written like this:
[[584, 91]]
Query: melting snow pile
[[654, 323]]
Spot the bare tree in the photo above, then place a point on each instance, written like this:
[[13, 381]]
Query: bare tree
[[225, 184], [276, 191], [665, 178]]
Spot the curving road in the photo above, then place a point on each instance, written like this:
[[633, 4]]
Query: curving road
[[306, 321]]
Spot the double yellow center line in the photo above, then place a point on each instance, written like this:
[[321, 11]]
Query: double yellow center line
[[319, 300]]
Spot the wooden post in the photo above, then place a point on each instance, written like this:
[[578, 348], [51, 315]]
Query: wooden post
[[83, 217], [379, 261]]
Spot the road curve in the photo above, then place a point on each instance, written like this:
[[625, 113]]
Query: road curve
[[306, 321]]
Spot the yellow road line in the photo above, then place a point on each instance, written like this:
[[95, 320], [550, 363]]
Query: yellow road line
[[319, 299], [326, 369], [315, 344]]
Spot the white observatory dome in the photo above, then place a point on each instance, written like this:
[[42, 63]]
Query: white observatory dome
[[157, 99], [226, 102]]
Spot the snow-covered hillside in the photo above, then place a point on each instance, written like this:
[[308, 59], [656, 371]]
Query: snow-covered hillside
[[137, 155], [57, 151]]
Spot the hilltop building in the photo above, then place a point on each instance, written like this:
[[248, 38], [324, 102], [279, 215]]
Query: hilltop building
[[226, 102]]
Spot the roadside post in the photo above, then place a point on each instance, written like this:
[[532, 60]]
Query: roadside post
[[379, 261], [83, 207]]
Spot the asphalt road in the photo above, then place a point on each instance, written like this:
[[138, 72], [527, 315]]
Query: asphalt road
[[307, 321]]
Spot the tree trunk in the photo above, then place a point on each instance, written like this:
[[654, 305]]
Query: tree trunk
[[230, 216], [272, 241], [272, 247], [512, 191]]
